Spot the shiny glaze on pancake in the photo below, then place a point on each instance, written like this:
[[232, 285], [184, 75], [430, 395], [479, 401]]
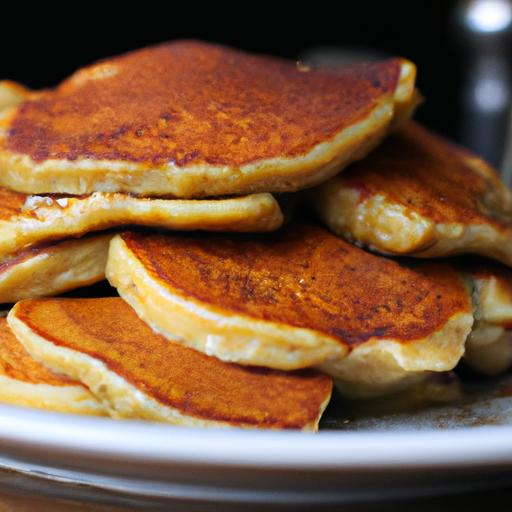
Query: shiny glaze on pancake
[[188, 102], [16, 363], [432, 177], [306, 277], [195, 384]]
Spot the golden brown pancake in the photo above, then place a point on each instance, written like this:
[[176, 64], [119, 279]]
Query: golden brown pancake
[[11, 93], [139, 374], [296, 298], [420, 195], [489, 347], [23, 381], [28, 219], [192, 119], [53, 268]]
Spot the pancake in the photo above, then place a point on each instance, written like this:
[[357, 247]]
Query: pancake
[[489, 347], [53, 268], [139, 374], [28, 219], [420, 195], [297, 298], [11, 93], [23, 381], [192, 119]]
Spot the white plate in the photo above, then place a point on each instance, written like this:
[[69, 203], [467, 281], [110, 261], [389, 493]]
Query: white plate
[[399, 455]]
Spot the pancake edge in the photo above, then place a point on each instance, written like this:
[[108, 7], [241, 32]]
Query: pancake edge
[[239, 338], [80, 215], [67, 399], [21, 173], [119, 397], [385, 366], [12, 93], [227, 336], [489, 346], [55, 269], [402, 231]]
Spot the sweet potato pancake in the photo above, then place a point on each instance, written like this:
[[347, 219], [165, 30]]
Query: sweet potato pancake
[[192, 119], [23, 381], [140, 374], [53, 268], [29, 219], [420, 195], [299, 297]]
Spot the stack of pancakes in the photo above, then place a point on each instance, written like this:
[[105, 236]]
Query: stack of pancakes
[[229, 315]]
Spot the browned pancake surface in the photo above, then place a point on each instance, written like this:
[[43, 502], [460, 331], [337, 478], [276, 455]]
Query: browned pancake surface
[[16, 363], [11, 203], [306, 277], [431, 176], [177, 376], [190, 102]]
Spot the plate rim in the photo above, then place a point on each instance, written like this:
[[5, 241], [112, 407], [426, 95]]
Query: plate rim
[[142, 442]]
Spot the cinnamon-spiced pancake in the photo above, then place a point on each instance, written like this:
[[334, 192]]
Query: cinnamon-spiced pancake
[[300, 297], [420, 195], [139, 374], [192, 119], [30, 219], [24, 381]]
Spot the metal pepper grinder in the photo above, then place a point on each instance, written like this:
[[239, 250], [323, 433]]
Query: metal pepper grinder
[[486, 37]]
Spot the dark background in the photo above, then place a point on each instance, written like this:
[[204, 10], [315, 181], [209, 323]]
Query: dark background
[[41, 50]]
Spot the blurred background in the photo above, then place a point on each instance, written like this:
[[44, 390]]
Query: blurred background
[[462, 48]]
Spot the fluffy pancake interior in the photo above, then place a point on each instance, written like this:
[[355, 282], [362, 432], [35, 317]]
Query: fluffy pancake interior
[[23, 381], [145, 123], [301, 297], [138, 373], [417, 194]]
